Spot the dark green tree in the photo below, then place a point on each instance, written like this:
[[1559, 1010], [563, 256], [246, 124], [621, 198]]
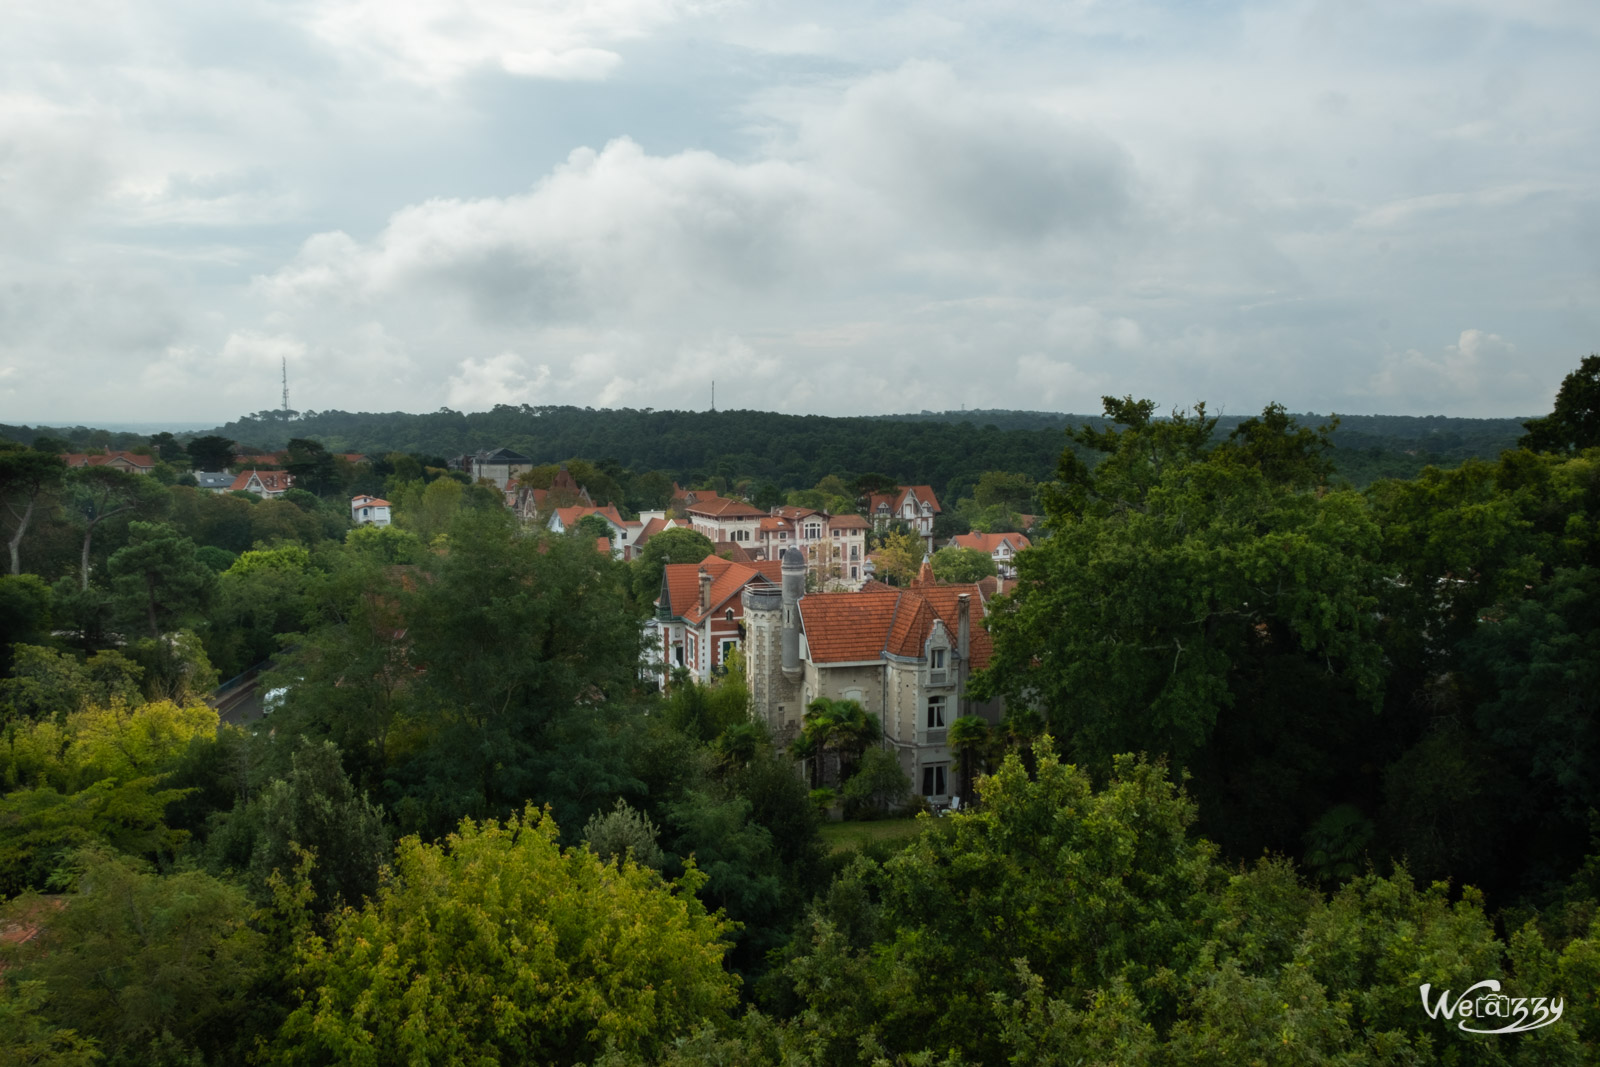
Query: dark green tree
[[101, 493], [25, 476], [157, 579], [669, 546], [211, 453], [1575, 423]]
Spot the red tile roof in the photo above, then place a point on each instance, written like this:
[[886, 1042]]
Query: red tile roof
[[682, 582], [271, 481], [721, 507], [893, 501], [732, 550], [848, 522], [851, 627], [82, 459], [989, 543]]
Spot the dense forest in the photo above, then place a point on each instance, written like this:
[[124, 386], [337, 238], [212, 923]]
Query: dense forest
[[947, 450], [1281, 753]]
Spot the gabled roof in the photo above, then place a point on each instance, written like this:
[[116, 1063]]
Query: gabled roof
[[502, 455], [364, 501], [270, 481], [83, 459], [680, 583], [851, 521], [213, 479], [988, 543], [893, 502], [851, 627], [732, 550], [569, 516], [721, 507]]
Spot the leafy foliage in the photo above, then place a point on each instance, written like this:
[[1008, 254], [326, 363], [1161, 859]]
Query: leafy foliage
[[500, 946]]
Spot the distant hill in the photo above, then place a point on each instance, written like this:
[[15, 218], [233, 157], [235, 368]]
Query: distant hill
[[947, 450]]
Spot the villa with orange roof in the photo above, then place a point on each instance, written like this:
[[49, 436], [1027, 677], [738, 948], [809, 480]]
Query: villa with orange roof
[[131, 462], [699, 615], [914, 505], [265, 484], [369, 511], [1000, 547], [904, 654]]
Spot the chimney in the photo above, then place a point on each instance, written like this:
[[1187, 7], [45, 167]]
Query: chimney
[[705, 591], [963, 647]]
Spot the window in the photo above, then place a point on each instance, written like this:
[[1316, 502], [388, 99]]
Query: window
[[813, 530], [936, 659], [854, 572], [933, 781], [936, 714], [855, 551], [836, 533], [677, 654], [729, 615]]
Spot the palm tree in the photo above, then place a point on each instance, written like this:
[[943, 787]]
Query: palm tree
[[843, 726], [968, 735]]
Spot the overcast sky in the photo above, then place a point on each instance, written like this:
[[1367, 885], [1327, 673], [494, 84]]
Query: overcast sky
[[838, 208]]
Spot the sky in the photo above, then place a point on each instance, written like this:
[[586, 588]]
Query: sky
[[830, 207]]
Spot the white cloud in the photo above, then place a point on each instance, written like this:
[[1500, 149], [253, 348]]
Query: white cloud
[[434, 42]]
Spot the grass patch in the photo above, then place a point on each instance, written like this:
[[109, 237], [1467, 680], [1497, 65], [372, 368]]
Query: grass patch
[[842, 836]]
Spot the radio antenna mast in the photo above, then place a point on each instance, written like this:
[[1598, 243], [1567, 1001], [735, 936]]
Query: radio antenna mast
[[713, 394], [285, 386]]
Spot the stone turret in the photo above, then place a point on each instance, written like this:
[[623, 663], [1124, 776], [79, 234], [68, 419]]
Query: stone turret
[[794, 587], [772, 648]]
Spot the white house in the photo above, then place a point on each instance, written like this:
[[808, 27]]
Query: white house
[[369, 511]]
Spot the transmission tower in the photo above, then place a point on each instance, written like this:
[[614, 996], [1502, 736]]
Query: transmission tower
[[285, 386]]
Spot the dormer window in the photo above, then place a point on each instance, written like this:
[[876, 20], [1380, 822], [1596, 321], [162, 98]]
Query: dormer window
[[936, 659]]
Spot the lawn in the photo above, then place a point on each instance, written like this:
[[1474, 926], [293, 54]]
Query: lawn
[[840, 836]]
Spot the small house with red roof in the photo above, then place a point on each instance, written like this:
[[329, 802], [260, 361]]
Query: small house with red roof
[[369, 511], [265, 484], [131, 462], [699, 615], [1000, 547]]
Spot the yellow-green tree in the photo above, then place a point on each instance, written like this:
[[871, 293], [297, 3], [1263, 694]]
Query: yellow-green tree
[[498, 946]]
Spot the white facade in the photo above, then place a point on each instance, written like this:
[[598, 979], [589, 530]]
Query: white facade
[[369, 511]]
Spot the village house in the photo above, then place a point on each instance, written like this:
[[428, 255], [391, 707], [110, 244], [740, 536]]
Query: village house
[[265, 484], [699, 615], [722, 518], [214, 481], [835, 546], [131, 462], [369, 511], [914, 505], [1000, 547], [904, 654], [500, 466], [532, 505]]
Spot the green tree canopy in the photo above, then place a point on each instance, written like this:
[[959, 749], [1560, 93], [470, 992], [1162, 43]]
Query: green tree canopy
[[1574, 424], [676, 545], [499, 946], [955, 564]]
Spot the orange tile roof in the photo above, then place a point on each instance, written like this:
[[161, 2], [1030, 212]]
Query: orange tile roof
[[83, 459], [603, 545], [848, 522], [682, 582], [988, 543], [733, 550], [271, 481], [722, 507], [850, 627]]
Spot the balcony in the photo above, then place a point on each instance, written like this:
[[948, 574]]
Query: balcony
[[938, 677], [932, 736]]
